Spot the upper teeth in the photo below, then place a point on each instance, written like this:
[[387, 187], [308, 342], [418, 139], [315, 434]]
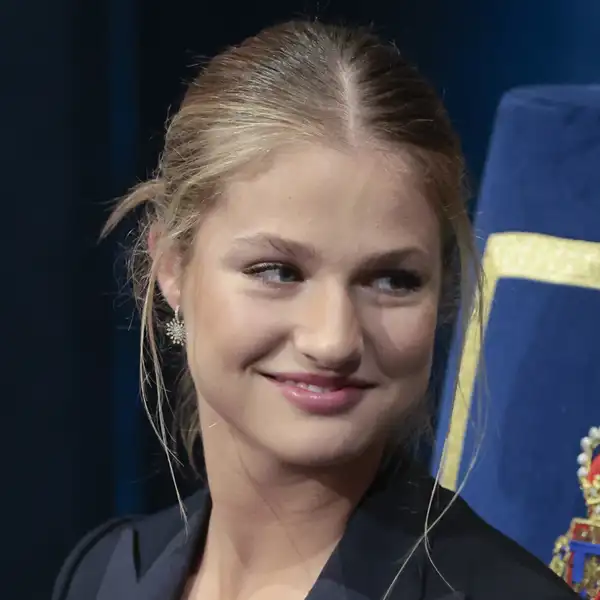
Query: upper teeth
[[308, 386]]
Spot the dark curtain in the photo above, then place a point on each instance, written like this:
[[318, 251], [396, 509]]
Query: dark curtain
[[57, 321], [479, 49], [86, 88]]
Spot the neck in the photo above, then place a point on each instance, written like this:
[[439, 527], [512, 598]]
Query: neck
[[271, 519]]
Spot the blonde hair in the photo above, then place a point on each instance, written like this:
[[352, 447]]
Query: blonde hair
[[297, 82]]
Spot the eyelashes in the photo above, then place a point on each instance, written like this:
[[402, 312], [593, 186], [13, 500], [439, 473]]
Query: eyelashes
[[394, 282], [275, 273]]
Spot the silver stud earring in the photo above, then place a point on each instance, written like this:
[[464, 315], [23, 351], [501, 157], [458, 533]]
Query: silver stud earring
[[175, 329]]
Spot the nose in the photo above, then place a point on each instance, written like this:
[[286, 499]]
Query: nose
[[328, 331]]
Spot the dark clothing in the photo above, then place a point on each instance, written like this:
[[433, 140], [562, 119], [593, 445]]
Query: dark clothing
[[150, 558]]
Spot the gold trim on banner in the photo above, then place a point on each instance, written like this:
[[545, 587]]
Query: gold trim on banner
[[514, 255]]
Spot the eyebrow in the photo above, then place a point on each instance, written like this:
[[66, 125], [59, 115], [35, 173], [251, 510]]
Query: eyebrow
[[392, 258], [305, 252], [281, 245]]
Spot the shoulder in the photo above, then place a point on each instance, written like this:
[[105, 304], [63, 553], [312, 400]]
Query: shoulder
[[83, 568], [477, 559], [83, 571]]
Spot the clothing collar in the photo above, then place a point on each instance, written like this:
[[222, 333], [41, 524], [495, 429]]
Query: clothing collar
[[151, 560]]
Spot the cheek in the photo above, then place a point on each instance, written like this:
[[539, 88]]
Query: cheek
[[404, 341], [227, 329]]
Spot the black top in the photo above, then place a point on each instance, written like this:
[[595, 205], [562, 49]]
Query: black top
[[149, 558]]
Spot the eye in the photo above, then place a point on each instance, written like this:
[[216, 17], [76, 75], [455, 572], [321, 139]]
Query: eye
[[396, 282], [274, 273]]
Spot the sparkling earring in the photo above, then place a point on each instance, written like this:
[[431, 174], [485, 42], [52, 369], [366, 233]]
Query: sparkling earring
[[175, 329]]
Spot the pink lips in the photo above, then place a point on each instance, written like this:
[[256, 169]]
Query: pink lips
[[319, 394]]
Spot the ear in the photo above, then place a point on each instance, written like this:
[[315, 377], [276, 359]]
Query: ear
[[169, 266]]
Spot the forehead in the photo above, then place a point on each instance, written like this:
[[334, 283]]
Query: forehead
[[360, 197]]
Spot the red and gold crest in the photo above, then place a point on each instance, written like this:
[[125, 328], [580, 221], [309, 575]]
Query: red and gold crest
[[576, 555]]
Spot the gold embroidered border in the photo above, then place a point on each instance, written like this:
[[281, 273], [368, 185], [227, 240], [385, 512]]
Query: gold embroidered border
[[516, 255]]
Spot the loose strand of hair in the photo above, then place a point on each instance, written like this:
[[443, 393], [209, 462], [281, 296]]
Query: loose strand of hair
[[472, 308], [147, 333]]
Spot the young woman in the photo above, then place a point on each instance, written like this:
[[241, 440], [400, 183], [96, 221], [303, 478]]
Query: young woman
[[306, 228]]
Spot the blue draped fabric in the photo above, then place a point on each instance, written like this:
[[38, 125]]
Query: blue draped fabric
[[123, 131], [538, 219]]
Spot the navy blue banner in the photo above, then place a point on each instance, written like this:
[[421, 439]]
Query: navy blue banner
[[525, 412]]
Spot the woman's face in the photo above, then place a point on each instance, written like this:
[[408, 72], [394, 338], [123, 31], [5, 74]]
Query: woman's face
[[310, 304]]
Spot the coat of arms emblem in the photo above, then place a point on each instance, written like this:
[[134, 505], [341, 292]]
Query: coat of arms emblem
[[576, 556]]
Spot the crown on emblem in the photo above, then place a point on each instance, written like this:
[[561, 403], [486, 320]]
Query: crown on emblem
[[589, 473]]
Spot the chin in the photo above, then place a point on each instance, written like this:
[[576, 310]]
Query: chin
[[321, 449]]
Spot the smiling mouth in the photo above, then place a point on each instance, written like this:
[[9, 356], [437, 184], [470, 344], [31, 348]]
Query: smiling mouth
[[318, 389], [318, 395], [317, 383], [310, 387]]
